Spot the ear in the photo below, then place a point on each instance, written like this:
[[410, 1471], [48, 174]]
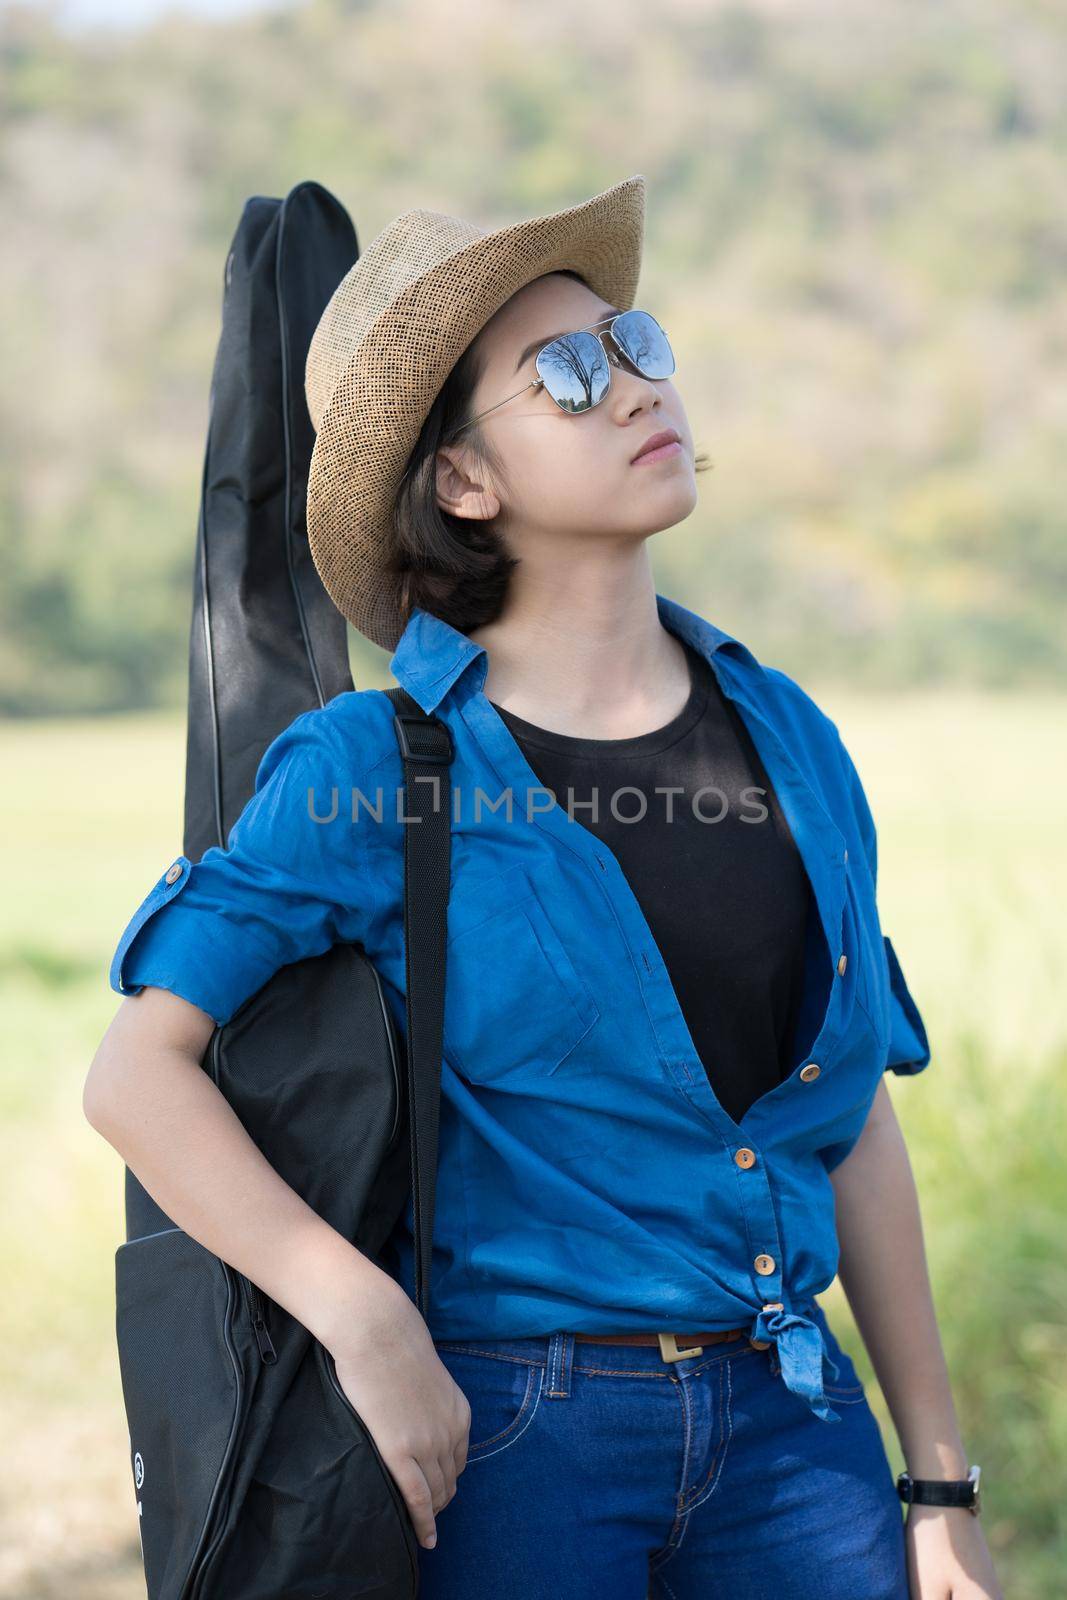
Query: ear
[[463, 489]]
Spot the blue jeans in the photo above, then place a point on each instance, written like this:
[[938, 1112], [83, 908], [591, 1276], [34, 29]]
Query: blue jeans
[[601, 1472]]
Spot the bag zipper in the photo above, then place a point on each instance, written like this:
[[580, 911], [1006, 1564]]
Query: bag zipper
[[211, 1532], [257, 1311], [407, 1526], [253, 1295]]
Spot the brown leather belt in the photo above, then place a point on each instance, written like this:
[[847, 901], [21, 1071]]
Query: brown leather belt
[[672, 1346]]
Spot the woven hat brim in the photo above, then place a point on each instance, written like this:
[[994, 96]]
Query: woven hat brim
[[376, 410]]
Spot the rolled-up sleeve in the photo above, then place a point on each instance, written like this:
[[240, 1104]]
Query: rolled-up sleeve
[[215, 930], [909, 1048]]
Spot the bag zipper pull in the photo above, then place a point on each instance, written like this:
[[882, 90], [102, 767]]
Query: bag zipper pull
[[263, 1339], [256, 1308]]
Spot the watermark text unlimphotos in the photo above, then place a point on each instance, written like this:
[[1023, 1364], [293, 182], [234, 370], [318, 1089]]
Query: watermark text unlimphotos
[[627, 803]]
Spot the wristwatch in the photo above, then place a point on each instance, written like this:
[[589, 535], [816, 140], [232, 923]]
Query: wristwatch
[[941, 1491]]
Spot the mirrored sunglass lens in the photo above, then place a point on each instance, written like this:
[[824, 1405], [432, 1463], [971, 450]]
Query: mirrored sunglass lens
[[575, 371], [641, 338]]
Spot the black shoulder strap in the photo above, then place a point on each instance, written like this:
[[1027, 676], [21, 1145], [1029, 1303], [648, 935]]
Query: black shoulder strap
[[426, 750]]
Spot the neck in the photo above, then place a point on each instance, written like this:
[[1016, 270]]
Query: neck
[[583, 652]]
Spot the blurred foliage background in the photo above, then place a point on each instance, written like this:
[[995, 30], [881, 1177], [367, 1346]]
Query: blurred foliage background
[[857, 235]]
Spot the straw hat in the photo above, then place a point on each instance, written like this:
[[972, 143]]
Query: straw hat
[[393, 329]]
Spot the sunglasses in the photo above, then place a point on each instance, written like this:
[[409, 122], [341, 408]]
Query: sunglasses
[[575, 368]]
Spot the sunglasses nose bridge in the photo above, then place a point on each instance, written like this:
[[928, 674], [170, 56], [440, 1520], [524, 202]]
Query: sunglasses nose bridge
[[617, 355], [614, 350]]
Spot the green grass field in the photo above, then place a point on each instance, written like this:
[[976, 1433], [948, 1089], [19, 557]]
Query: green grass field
[[970, 795]]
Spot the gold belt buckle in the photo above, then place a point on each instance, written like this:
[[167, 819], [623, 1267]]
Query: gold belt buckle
[[668, 1348]]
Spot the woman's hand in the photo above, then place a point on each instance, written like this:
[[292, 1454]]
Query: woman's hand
[[414, 1410], [948, 1558]]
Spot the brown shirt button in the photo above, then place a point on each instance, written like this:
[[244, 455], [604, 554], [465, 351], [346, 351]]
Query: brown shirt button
[[745, 1157], [810, 1072], [842, 963], [174, 872], [765, 1265]]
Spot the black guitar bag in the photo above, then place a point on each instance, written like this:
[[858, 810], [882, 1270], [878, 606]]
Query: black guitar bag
[[255, 1477]]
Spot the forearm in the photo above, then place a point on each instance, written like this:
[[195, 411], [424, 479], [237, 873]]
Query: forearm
[[183, 1141], [884, 1274]]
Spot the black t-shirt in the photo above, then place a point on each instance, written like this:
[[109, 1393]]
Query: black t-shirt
[[727, 899]]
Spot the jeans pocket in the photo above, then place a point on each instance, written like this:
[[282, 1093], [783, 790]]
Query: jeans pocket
[[503, 1392]]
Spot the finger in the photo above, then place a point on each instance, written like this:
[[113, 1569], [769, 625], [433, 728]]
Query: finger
[[462, 1431], [418, 1497], [447, 1467], [435, 1477]]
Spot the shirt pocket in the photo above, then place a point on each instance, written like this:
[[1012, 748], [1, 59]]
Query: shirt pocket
[[515, 1004]]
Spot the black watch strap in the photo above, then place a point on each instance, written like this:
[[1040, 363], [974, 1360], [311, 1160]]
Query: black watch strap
[[941, 1492]]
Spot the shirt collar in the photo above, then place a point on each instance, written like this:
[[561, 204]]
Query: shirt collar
[[432, 655]]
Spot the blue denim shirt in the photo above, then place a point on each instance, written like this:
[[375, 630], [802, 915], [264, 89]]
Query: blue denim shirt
[[587, 1175]]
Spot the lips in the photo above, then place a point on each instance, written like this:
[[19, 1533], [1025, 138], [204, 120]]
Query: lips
[[656, 440]]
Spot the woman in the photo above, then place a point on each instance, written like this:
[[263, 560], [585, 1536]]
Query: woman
[[664, 1124]]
